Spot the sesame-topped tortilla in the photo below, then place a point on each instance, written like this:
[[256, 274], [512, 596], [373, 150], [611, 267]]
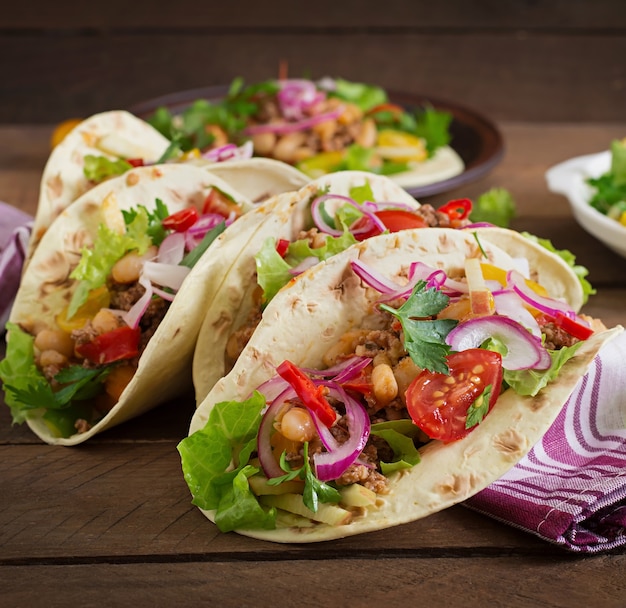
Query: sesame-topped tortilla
[[164, 366], [306, 320], [115, 134], [284, 217]]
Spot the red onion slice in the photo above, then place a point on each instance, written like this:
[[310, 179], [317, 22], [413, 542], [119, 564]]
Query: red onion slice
[[509, 304], [524, 351], [172, 249], [166, 275], [281, 128], [374, 279], [549, 306], [133, 316], [332, 464], [304, 265], [269, 464]]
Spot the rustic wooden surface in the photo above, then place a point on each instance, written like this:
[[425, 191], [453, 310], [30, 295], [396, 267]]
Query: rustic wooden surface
[[110, 522], [555, 60]]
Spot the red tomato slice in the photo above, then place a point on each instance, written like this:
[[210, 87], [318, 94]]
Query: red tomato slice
[[115, 345], [181, 220], [394, 220], [217, 202], [438, 403]]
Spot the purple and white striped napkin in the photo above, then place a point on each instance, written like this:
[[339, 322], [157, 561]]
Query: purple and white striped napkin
[[15, 228], [571, 487]]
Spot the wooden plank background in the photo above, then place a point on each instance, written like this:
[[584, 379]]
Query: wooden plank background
[[555, 60]]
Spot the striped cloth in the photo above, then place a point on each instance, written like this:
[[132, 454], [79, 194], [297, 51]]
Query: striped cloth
[[571, 488], [15, 228]]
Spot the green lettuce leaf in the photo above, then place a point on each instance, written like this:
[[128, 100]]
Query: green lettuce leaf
[[99, 168], [495, 206], [215, 464], [365, 96], [96, 263], [399, 437], [530, 381]]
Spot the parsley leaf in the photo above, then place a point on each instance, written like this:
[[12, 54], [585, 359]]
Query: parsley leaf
[[433, 125], [315, 491], [425, 337], [479, 409]]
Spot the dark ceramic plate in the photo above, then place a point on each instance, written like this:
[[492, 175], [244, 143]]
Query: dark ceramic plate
[[476, 139]]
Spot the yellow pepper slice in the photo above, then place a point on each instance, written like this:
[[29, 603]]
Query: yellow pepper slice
[[400, 147], [98, 298]]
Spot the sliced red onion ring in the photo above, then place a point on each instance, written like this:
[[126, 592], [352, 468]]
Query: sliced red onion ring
[[282, 128], [373, 278], [133, 316], [304, 265], [229, 152], [550, 306], [296, 96], [333, 463], [478, 225], [524, 351], [172, 249], [509, 304], [270, 466], [166, 275]]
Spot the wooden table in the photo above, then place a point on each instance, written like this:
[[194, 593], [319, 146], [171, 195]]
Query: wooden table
[[111, 523]]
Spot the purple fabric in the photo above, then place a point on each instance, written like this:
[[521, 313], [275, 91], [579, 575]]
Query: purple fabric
[[15, 228], [571, 487]]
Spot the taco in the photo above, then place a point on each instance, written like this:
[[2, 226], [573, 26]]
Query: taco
[[116, 138], [290, 240], [384, 384], [322, 219], [106, 317]]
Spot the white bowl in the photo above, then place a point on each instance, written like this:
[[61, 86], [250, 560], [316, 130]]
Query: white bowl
[[569, 178]]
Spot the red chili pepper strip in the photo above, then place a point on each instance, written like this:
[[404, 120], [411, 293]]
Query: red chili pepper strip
[[312, 396], [181, 220], [281, 247], [572, 327], [457, 210], [121, 343], [135, 162]]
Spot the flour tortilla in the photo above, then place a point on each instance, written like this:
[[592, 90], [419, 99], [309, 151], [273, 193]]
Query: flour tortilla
[[304, 320], [444, 164], [259, 178], [165, 366], [63, 180], [284, 217]]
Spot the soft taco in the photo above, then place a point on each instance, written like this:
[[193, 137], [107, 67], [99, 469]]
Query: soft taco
[[117, 138], [322, 219], [384, 384], [106, 317], [289, 240]]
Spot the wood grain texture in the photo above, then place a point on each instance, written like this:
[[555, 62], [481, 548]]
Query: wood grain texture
[[553, 60], [391, 581]]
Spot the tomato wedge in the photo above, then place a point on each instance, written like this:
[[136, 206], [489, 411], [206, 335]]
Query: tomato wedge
[[439, 403], [121, 343], [281, 247], [220, 203], [181, 220], [394, 220]]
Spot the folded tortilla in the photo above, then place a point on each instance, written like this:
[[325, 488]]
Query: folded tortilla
[[307, 318], [288, 215], [115, 134], [283, 217], [164, 368]]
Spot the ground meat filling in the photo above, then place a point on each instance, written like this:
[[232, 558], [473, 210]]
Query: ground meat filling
[[556, 337]]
